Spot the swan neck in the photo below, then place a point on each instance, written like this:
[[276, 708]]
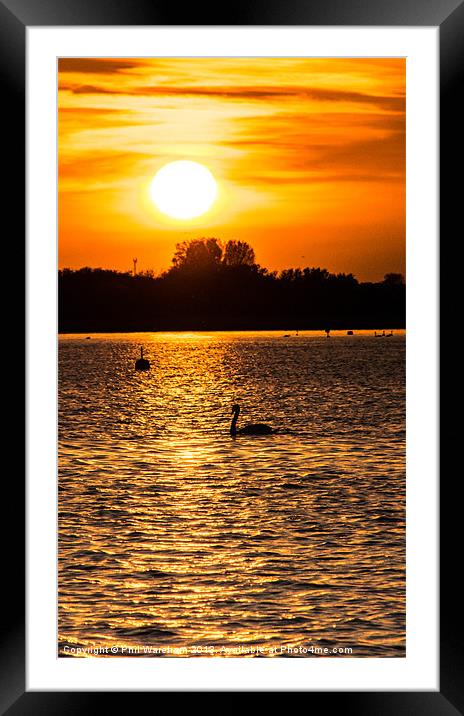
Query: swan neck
[[233, 425]]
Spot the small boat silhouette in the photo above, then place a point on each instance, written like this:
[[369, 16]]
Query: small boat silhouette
[[142, 363]]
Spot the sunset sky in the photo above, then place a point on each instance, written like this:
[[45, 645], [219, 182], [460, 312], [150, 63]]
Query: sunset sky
[[308, 155]]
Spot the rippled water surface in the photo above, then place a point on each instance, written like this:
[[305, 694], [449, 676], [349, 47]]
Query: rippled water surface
[[175, 536]]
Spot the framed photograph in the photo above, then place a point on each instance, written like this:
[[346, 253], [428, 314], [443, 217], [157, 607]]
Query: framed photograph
[[232, 353]]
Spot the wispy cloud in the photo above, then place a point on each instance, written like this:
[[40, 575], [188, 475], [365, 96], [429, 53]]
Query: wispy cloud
[[95, 66], [392, 103]]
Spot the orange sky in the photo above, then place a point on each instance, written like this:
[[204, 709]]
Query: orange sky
[[309, 156]]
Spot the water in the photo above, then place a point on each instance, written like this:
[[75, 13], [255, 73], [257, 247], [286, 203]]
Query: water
[[175, 536]]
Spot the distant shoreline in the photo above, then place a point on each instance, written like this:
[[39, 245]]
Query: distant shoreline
[[189, 329], [217, 296]]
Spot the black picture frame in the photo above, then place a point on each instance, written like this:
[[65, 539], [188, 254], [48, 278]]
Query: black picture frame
[[15, 17]]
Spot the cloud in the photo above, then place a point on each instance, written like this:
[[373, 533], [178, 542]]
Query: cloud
[[91, 65], [87, 111], [392, 103], [301, 148], [89, 89], [279, 124], [379, 159], [108, 164], [74, 119]]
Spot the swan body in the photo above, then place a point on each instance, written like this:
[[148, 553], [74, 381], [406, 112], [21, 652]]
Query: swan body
[[142, 363], [250, 429]]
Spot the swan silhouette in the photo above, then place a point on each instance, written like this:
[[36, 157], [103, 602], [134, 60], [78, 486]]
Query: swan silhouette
[[142, 363], [250, 429]]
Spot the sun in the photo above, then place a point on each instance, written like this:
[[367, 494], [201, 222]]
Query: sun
[[183, 189]]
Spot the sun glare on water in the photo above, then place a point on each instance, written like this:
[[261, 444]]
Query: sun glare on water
[[183, 189]]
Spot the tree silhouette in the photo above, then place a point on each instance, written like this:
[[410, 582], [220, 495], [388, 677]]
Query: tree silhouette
[[197, 254], [238, 253], [394, 279]]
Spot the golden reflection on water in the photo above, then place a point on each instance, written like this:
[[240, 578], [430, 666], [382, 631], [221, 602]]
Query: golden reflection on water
[[171, 533]]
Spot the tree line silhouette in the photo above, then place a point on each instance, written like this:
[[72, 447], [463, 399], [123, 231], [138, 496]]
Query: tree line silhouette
[[212, 286]]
